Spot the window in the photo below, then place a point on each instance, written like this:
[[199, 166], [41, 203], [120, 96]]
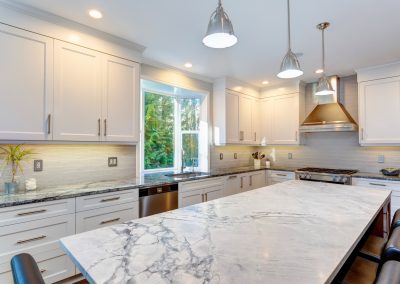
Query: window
[[175, 128]]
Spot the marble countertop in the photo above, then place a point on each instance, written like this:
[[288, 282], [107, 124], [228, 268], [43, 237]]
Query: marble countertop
[[75, 190], [291, 232]]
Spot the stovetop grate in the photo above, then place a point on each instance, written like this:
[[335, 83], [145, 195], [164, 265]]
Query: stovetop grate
[[328, 171]]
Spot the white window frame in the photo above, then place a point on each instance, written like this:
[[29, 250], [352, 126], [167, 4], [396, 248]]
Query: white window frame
[[203, 133]]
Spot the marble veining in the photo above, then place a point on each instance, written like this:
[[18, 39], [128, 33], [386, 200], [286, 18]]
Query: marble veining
[[81, 189], [292, 232]]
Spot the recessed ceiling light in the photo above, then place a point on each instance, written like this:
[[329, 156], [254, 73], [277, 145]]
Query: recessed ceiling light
[[319, 71], [95, 14], [188, 65], [265, 82]]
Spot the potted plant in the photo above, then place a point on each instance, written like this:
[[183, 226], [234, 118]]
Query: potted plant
[[257, 156], [13, 156]]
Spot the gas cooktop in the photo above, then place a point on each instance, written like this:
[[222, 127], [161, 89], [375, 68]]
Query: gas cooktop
[[328, 171]]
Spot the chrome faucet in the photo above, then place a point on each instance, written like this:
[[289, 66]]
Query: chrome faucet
[[182, 160]]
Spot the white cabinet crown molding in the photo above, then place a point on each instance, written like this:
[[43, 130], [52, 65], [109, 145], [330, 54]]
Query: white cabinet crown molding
[[378, 72]]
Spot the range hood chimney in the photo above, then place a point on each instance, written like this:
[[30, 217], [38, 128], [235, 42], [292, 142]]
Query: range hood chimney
[[329, 115]]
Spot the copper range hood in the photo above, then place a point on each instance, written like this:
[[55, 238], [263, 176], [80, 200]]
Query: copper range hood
[[330, 116]]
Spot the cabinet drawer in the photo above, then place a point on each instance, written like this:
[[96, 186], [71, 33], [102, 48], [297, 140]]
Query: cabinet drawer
[[102, 217], [377, 183], [201, 184], [36, 236], [53, 270], [30, 212], [90, 202], [281, 175]]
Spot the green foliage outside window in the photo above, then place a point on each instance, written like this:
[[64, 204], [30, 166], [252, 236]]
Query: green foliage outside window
[[159, 131]]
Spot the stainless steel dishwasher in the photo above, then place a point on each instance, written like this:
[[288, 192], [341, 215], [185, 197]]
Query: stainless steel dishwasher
[[156, 200]]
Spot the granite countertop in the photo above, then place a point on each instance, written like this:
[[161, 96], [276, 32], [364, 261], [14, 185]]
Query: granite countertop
[[279, 234], [375, 176], [70, 191]]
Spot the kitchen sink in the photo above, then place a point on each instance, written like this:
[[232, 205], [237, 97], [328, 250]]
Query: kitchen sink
[[187, 175]]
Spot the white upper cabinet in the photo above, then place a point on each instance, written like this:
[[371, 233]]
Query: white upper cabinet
[[26, 85], [235, 114], [285, 120], [77, 93], [280, 119], [379, 105], [232, 118], [95, 96], [121, 102]]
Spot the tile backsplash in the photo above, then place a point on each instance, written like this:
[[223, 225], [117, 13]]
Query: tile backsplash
[[334, 150], [70, 164], [243, 156]]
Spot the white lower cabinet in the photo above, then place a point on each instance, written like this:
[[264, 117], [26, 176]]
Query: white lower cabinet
[[194, 192], [31, 231], [243, 182], [36, 229], [274, 177], [394, 186], [102, 217]]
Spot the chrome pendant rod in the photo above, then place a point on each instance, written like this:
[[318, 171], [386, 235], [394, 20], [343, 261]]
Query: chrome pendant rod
[[288, 23]]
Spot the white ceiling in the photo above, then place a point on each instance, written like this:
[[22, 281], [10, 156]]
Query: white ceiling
[[362, 33]]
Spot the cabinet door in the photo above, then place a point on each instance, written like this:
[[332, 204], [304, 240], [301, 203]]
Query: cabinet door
[[255, 121], [257, 179], [379, 111], [121, 100], [190, 198], [285, 122], [246, 134], [266, 107], [213, 193], [77, 93], [26, 85], [232, 118], [232, 185], [244, 182]]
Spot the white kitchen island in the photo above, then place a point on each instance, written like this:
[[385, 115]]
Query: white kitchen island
[[292, 232]]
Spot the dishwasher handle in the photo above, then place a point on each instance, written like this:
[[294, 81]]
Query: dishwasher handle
[[157, 190]]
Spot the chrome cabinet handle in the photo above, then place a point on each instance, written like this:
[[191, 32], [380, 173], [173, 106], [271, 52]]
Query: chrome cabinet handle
[[295, 136], [251, 181], [362, 134], [98, 127], [232, 177], [110, 199], [202, 197], [109, 221], [206, 197], [255, 136], [377, 184], [105, 127], [241, 135], [42, 271], [31, 240], [49, 124], [241, 182], [281, 175], [31, 212]]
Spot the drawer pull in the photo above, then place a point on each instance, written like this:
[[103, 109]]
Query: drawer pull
[[110, 221], [281, 175], [43, 271], [110, 199], [232, 177], [32, 212], [377, 184], [30, 240]]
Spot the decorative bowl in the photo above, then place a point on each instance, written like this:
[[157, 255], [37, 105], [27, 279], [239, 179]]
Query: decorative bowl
[[390, 171]]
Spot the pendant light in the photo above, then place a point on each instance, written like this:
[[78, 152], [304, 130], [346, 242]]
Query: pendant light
[[290, 66], [220, 30], [324, 86]]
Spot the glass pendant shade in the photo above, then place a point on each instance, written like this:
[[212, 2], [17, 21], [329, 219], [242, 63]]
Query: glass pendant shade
[[220, 32], [290, 66], [324, 87]]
